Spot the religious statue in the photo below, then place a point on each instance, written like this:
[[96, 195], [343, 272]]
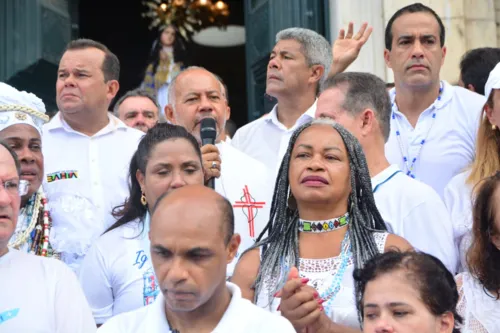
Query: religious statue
[[167, 59]]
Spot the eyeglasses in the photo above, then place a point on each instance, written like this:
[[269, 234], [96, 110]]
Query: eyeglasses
[[14, 187]]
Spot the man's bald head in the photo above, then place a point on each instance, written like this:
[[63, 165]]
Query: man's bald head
[[202, 198], [192, 243]]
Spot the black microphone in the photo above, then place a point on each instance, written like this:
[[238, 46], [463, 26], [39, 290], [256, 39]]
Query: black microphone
[[208, 132]]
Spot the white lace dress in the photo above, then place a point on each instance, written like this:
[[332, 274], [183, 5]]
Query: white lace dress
[[481, 311], [322, 275]]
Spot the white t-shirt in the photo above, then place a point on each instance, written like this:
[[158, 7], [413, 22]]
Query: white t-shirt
[[458, 199], [241, 316], [41, 295], [414, 211], [85, 178], [247, 184], [450, 137], [117, 274], [266, 139]]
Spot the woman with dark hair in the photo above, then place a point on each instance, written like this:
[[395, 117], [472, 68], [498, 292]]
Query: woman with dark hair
[[117, 275], [479, 288], [407, 292], [167, 59], [323, 224]]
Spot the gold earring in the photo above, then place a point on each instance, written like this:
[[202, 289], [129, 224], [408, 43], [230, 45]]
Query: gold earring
[[493, 127], [143, 199]]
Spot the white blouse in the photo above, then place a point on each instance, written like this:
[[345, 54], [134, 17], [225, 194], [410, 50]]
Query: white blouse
[[458, 199], [322, 274], [480, 311]]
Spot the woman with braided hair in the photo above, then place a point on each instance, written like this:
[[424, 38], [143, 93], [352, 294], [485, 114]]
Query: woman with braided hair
[[22, 116], [323, 224]]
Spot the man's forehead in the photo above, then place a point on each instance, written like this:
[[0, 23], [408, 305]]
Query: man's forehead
[[288, 45], [138, 102], [420, 23], [82, 58], [197, 82], [7, 165]]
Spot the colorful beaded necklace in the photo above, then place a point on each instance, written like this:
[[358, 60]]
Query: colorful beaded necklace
[[406, 159], [325, 225], [30, 234]]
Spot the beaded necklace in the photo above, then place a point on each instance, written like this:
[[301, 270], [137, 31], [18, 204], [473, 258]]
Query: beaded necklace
[[410, 167], [30, 233], [325, 225], [331, 293]]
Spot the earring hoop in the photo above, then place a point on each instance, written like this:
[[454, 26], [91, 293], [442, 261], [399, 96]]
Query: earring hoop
[[143, 199]]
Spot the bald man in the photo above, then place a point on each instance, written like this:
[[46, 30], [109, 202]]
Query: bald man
[[190, 250], [196, 94]]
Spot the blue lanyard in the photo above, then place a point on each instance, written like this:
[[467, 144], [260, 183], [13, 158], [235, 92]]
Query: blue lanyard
[[386, 180]]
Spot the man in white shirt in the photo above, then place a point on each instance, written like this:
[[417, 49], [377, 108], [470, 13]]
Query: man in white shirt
[[433, 124], [190, 250], [37, 294], [196, 94], [87, 150], [138, 109], [299, 62], [410, 209]]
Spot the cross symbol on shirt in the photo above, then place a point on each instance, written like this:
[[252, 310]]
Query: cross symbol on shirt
[[252, 206]]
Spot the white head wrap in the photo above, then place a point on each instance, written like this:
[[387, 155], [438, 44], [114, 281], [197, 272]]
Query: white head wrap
[[493, 81], [20, 107]]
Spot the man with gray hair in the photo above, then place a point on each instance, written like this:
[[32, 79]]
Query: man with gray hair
[[410, 209], [196, 94], [299, 62], [138, 109]]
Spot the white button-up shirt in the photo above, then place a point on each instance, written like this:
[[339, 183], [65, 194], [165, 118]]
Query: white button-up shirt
[[266, 139], [449, 137], [85, 178], [241, 316], [414, 211]]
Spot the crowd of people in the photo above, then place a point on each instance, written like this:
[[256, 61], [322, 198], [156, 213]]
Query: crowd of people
[[348, 208]]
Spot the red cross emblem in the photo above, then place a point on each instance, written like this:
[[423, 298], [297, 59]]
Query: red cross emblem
[[250, 208]]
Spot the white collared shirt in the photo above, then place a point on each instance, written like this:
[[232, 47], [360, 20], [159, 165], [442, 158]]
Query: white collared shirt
[[85, 178], [450, 137], [41, 295], [414, 211], [266, 139], [241, 316], [248, 185]]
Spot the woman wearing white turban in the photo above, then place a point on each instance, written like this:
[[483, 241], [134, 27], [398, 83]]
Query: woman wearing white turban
[[22, 116]]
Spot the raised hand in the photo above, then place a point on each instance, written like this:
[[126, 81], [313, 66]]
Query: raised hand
[[346, 47]]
